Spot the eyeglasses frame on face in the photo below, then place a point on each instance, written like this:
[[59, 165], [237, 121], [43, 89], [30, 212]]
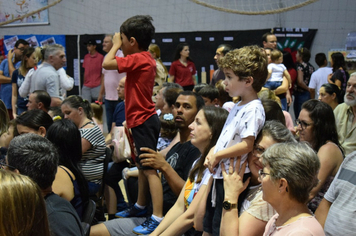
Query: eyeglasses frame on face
[[262, 174], [303, 124], [21, 49]]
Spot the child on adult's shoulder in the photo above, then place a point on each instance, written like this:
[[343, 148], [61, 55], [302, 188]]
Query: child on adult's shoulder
[[245, 73]]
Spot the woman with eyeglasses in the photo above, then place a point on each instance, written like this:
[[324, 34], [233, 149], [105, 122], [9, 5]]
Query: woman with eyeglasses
[[316, 125], [251, 218]]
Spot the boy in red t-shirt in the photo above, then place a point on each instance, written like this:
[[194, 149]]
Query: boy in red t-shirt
[[134, 38]]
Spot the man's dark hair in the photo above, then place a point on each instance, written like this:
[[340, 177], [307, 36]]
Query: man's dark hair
[[140, 27], [43, 96], [170, 95], [21, 41], [227, 48], [320, 59], [264, 37], [210, 92], [34, 156], [198, 99]]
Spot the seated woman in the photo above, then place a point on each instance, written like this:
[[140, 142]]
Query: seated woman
[[78, 110], [34, 121], [316, 125], [330, 94], [255, 212], [289, 173], [22, 208], [69, 182], [180, 218]]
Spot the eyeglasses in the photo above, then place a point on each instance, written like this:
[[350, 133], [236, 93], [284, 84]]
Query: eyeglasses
[[302, 123], [21, 49], [6, 166], [258, 149], [262, 174]]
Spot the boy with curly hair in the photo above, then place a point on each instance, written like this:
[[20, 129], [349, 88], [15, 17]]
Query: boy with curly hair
[[245, 73]]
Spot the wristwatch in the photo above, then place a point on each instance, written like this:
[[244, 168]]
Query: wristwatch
[[227, 205]]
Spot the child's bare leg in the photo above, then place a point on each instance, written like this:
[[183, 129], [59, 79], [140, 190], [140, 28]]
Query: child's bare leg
[[156, 191], [110, 199], [142, 188]]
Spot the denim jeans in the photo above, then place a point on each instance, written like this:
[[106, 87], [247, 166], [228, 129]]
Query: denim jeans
[[272, 85], [299, 99], [110, 108]]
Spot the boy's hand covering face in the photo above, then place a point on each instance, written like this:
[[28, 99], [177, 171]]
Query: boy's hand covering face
[[117, 39]]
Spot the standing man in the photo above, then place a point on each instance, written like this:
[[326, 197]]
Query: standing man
[[46, 77], [109, 82], [345, 117], [220, 52], [320, 76], [92, 72], [8, 66], [269, 40]]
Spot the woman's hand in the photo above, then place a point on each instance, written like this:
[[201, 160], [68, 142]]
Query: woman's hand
[[329, 78], [233, 184]]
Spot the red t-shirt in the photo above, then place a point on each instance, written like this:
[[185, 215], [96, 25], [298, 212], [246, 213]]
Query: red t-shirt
[[140, 71], [183, 74], [93, 67]]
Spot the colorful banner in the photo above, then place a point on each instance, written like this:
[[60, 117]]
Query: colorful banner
[[12, 9]]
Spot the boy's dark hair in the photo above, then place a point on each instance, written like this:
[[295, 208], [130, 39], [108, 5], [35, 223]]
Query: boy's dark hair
[[227, 48], [34, 156], [199, 86], [140, 27], [210, 92], [21, 41], [198, 99], [245, 62], [320, 59]]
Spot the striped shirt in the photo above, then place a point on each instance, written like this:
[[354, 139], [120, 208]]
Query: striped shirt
[[93, 159], [341, 219]]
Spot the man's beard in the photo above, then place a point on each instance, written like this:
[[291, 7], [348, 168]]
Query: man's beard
[[350, 102]]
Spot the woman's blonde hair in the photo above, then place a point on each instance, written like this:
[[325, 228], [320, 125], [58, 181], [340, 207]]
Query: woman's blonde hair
[[153, 48], [22, 206]]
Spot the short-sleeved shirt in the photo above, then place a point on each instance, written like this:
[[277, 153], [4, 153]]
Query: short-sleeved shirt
[[243, 121], [318, 78], [346, 129], [18, 79], [92, 65], [180, 157], [111, 81], [277, 72], [341, 219], [183, 75], [46, 78], [303, 226], [6, 88], [191, 188], [93, 159], [119, 114], [140, 71], [307, 70]]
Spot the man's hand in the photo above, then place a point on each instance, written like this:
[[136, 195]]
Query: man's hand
[[152, 159], [10, 55]]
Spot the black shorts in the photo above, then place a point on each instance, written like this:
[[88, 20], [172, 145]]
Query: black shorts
[[146, 135]]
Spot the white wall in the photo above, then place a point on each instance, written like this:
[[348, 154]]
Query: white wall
[[333, 19]]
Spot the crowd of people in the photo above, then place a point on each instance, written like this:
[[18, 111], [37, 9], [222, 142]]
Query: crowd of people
[[223, 158]]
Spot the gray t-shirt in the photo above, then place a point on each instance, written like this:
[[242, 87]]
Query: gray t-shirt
[[341, 219], [46, 78]]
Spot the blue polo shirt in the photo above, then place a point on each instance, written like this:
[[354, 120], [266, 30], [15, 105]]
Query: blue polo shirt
[[6, 89]]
